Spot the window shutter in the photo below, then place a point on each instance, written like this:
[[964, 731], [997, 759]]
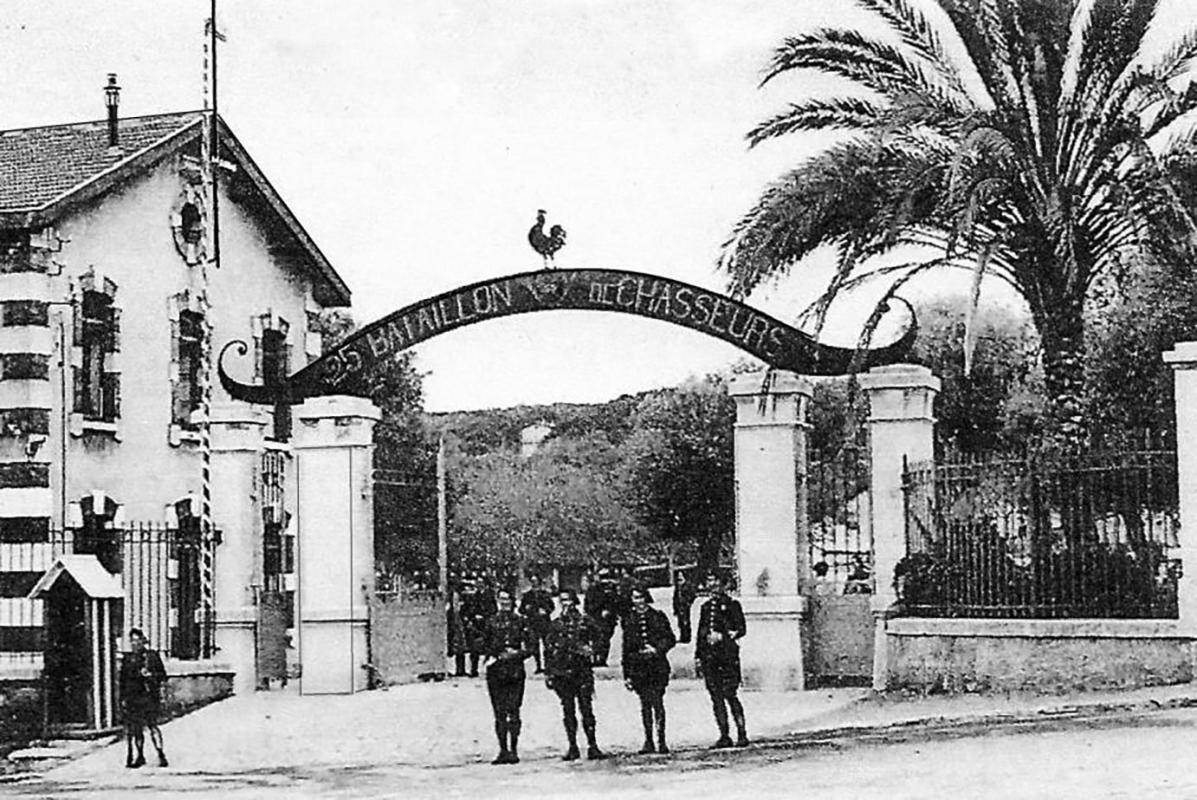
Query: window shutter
[[112, 396], [77, 322], [80, 400], [174, 340], [180, 398], [112, 343]]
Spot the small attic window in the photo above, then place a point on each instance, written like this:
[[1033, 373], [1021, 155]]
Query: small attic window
[[192, 223]]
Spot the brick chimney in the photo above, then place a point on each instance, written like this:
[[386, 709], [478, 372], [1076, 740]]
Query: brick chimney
[[112, 99]]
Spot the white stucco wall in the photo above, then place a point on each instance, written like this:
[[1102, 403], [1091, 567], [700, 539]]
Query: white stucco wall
[[127, 237]]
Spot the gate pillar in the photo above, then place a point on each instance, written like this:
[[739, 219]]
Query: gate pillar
[[771, 548], [901, 425], [237, 434], [334, 454], [1183, 360]]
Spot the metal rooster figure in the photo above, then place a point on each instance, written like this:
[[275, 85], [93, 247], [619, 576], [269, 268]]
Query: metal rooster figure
[[546, 245]]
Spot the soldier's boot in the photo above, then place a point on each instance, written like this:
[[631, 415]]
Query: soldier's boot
[[738, 715], [571, 733], [501, 735], [162, 762], [592, 749], [721, 721], [513, 730], [646, 719], [661, 746], [473, 665]]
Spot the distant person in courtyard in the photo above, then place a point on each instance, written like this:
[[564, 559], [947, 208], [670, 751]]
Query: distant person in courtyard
[[142, 676], [823, 585], [477, 606], [509, 642], [860, 579], [536, 606], [569, 667], [601, 606], [717, 656], [455, 630], [684, 595], [647, 639]]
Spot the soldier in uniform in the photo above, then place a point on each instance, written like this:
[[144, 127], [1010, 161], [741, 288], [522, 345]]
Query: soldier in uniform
[[683, 601], [536, 606], [569, 657], [508, 644], [477, 606], [601, 606], [717, 655], [647, 638], [141, 678]]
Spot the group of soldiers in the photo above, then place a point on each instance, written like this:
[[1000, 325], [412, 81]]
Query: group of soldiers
[[577, 640]]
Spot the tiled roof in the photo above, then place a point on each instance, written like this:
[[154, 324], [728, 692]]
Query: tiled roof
[[38, 165]]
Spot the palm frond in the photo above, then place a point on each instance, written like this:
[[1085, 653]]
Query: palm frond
[[820, 114], [917, 34]]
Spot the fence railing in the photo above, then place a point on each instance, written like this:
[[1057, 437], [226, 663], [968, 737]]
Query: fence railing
[[1085, 536], [159, 568]]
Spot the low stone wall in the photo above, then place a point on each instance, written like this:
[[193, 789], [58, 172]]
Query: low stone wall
[[194, 684], [1041, 656], [20, 707]]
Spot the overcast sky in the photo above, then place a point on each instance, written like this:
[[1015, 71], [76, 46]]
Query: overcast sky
[[415, 140]]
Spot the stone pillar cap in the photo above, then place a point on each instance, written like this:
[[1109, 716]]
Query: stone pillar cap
[[338, 405], [1182, 356], [784, 382], [236, 413], [900, 376]]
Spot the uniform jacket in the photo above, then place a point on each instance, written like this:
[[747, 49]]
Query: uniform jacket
[[600, 603], [570, 644], [476, 609], [141, 677], [650, 628], [505, 631], [536, 605], [721, 614]]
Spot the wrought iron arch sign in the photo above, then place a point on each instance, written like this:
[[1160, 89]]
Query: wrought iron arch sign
[[343, 370]]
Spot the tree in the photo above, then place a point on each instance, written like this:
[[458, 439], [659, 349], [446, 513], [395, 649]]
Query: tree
[[1028, 161], [560, 505], [680, 466]]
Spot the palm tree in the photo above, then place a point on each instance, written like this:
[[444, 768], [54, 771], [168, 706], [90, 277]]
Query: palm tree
[[1039, 150]]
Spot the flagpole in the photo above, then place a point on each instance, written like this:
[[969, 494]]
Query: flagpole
[[209, 152]]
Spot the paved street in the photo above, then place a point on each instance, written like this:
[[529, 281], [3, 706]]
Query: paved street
[[433, 741], [1135, 757]]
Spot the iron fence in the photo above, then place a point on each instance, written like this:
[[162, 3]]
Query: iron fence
[[159, 567], [1042, 537]]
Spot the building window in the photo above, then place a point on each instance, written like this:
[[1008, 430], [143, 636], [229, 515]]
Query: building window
[[188, 386], [275, 367], [97, 536], [186, 638], [192, 223], [97, 389]]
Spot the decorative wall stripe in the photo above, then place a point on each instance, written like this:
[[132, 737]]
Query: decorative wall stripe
[[22, 640], [31, 366], [25, 312], [17, 584], [23, 421], [24, 474], [24, 529]]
